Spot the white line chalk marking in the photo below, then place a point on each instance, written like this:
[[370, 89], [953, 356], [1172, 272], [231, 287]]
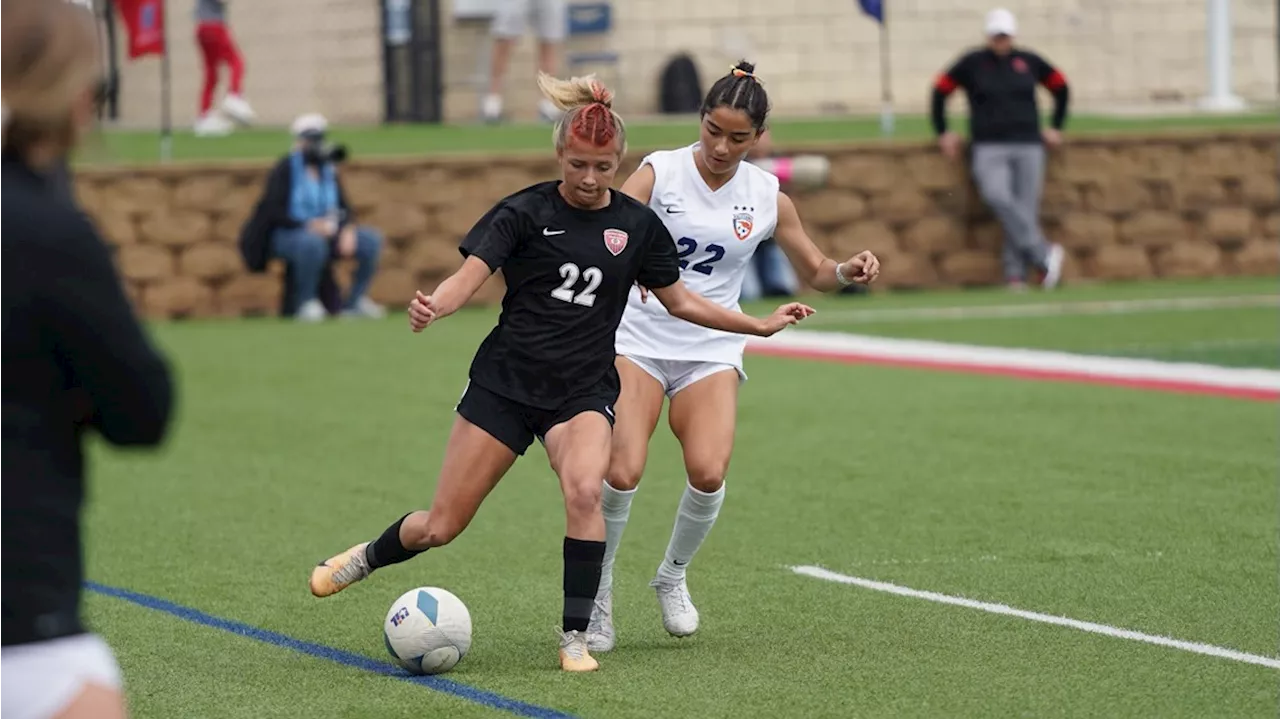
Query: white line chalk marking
[[1044, 309], [1196, 647]]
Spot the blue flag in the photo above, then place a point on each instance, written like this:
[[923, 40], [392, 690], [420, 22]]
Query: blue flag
[[874, 8]]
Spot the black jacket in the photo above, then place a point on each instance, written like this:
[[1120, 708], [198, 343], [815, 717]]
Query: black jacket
[[75, 358], [1002, 95]]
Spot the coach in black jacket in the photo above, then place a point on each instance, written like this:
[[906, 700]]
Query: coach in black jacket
[[1008, 144], [304, 219]]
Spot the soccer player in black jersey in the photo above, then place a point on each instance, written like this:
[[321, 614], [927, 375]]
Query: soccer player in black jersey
[[570, 250], [76, 361]]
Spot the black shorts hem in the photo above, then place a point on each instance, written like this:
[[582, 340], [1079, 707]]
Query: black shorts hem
[[516, 425], [486, 411]]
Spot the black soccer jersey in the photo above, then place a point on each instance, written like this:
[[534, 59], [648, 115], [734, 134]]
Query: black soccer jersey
[[568, 273]]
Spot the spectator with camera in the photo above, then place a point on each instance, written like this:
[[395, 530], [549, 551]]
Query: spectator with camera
[[304, 219]]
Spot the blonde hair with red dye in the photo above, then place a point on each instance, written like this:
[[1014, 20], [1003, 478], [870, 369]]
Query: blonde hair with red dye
[[588, 112]]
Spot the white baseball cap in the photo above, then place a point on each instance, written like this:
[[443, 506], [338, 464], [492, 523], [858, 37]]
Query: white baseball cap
[[312, 123], [1001, 22]]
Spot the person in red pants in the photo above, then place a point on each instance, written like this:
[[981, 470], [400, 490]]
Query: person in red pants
[[217, 47]]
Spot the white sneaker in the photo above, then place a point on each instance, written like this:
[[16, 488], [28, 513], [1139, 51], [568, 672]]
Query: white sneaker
[[600, 635], [548, 110], [211, 124], [311, 311], [1053, 267], [491, 108], [366, 307], [238, 108], [679, 616]]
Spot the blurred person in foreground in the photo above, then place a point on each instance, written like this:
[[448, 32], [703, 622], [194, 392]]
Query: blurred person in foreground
[[217, 47], [510, 22], [303, 218], [75, 359], [1008, 144]]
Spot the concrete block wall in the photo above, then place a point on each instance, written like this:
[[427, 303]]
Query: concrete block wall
[[300, 56], [816, 55]]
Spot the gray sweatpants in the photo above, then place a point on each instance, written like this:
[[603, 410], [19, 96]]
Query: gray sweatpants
[[1010, 177]]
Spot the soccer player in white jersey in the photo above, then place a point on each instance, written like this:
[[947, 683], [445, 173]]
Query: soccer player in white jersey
[[717, 208]]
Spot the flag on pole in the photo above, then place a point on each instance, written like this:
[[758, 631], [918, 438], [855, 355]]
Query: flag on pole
[[144, 19], [874, 8]]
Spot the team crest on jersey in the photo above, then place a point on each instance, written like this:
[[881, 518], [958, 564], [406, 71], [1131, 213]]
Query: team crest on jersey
[[742, 224], [615, 241]]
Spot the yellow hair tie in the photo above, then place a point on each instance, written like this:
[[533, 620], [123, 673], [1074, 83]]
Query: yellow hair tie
[[739, 72]]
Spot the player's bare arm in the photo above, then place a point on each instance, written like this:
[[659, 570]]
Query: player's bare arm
[[695, 308], [816, 269], [640, 185], [452, 294]]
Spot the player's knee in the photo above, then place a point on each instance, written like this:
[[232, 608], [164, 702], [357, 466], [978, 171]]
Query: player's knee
[[708, 476], [582, 496], [624, 475]]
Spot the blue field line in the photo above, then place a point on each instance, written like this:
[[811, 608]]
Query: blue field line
[[356, 661]]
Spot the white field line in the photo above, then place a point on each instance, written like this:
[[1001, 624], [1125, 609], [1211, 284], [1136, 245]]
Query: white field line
[[1049, 309], [1103, 629], [927, 352]]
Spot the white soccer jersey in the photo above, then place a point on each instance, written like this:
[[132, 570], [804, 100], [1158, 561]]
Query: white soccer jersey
[[716, 233]]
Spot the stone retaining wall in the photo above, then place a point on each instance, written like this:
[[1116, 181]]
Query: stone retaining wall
[[1129, 207]]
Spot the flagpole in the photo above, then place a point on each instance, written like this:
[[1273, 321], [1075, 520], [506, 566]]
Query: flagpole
[[166, 121], [886, 87]]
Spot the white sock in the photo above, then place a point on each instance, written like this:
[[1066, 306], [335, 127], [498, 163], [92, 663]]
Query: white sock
[[617, 507], [697, 514]]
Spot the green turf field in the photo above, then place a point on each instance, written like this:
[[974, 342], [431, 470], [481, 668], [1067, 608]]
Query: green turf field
[[1136, 509], [399, 140]]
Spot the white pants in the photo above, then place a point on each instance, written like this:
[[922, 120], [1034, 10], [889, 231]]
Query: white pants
[[676, 375], [41, 679], [550, 18]]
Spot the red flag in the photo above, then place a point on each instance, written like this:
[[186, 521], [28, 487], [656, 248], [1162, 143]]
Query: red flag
[[144, 20]]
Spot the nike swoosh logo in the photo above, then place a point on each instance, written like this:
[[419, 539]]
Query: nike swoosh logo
[[674, 210], [609, 410], [678, 563], [547, 231]]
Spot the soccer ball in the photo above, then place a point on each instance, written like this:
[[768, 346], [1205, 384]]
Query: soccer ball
[[428, 630]]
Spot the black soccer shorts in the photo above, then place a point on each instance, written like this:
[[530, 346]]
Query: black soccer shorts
[[516, 425]]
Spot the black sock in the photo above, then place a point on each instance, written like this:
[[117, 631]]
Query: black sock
[[387, 549], [582, 560]]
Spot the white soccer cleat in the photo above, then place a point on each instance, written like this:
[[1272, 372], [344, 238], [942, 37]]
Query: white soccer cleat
[[600, 634], [239, 109], [679, 616]]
